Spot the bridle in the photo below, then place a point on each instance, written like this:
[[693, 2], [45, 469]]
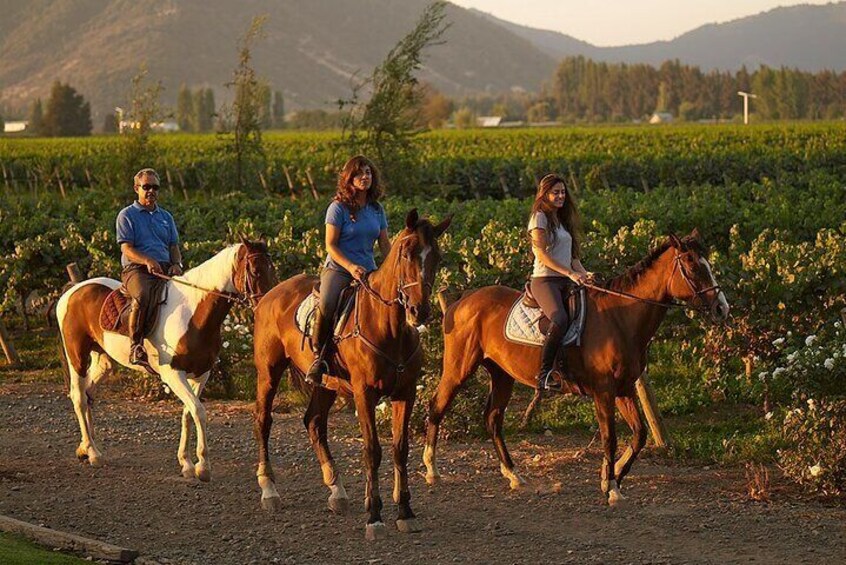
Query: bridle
[[677, 265], [402, 299]]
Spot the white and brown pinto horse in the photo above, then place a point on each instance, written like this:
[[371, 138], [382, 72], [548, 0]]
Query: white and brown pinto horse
[[182, 346]]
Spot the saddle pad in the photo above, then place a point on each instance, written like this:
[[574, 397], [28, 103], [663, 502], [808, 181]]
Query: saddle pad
[[308, 308], [112, 310], [523, 322]]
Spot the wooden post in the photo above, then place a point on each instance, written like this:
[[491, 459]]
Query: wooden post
[[650, 410], [8, 348], [843, 315], [68, 542], [505, 190], [73, 273], [290, 182], [61, 184], [311, 184]]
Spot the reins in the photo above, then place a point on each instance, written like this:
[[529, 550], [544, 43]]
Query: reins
[[669, 304], [246, 298]]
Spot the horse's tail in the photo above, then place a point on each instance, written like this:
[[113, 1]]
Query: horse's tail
[[64, 358], [59, 309]]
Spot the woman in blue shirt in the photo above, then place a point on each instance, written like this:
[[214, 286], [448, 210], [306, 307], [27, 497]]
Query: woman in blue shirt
[[354, 222]]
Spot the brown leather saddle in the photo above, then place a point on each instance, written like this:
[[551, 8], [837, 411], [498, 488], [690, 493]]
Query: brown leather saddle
[[114, 313]]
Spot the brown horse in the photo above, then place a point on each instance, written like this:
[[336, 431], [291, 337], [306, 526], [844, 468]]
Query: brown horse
[[380, 352], [183, 344], [618, 329]]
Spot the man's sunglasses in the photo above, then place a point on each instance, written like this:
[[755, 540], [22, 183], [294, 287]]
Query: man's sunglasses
[[148, 187]]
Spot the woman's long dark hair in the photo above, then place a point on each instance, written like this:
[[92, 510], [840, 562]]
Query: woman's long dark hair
[[567, 216], [345, 193]]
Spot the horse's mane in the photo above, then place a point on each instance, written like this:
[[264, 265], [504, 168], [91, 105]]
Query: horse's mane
[[196, 274], [630, 277]]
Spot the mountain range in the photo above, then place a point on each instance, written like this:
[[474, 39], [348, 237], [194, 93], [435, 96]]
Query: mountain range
[[313, 50]]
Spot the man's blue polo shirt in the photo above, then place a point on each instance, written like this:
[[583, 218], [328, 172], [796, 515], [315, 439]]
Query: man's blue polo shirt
[[151, 233]]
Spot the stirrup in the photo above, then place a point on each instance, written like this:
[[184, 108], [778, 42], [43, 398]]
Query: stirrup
[[315, 373], [548, 383], [138, 356]]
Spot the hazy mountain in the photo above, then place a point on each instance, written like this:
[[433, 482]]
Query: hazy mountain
[[808, 37], [312, 49]]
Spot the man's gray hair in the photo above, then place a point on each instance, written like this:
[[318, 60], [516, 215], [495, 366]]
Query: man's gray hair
[[145, 173]]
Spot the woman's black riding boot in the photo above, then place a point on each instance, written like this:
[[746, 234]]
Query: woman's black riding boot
[[321, 334], [550, 350]]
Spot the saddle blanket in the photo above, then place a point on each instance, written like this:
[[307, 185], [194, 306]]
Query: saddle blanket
[[308, 308], [523, 324]]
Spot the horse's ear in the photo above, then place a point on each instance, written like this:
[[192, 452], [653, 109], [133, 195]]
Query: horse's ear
[[411, 219], [244, 239], [675, 241], [696, 235], [442, 227], [263, 238]]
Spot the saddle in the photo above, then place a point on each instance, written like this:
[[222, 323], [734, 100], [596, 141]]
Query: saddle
[[114, 313], [527, 325]]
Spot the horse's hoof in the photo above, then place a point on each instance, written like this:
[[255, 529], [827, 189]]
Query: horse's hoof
[[82, 454], [516, 482], [432, 479], [339, 505], [271, 504], [409, 526], [188, 472], [202, 473], [615, 498], [96, 460], [375, 531]]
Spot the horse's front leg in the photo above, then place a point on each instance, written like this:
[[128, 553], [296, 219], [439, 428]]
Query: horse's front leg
[[402, 408], [365, 403], [188, 394], [188, 469], [316, 419], [604, 405]]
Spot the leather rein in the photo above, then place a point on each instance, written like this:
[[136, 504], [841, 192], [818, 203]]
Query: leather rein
[[697, 294], [246, 298]]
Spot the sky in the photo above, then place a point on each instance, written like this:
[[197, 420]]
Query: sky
[[623, 22]]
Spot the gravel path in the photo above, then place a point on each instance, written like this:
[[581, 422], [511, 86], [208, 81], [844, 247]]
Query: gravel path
[[673, 514]]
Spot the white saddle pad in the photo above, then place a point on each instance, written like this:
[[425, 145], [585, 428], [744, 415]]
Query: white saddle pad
[[521, 325], [305, 313]]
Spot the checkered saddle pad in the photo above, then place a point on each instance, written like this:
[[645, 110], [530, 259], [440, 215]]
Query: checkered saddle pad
[[527, 324]]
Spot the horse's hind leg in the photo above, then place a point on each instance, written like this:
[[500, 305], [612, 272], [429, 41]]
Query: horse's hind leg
[[268, 376], [99, 367], [461, 359], [189, 471], [501, 387], [316, 420], [628, 408], [402, 408], [79, 361]]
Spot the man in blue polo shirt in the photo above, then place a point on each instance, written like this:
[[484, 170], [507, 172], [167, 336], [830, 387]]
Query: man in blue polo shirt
[[149, 245]]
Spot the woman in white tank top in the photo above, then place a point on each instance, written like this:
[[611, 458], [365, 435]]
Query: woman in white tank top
[[555, 229]]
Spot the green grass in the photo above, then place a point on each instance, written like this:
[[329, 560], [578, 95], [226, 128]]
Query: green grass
[[18, 551]]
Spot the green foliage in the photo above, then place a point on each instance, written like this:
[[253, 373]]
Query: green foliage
[[144, 110], [246, 114], [815, 445], [18, 551], [384, 126], [67, 112]]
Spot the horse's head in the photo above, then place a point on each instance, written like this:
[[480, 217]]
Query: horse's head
[[254, 275], [692, 279], [418, 260]]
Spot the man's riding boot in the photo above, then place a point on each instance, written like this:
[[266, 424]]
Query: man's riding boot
[[554, 335], [321, 335], [137, 353]]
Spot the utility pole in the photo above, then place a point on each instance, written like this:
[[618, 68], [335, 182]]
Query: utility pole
[[746, 96]]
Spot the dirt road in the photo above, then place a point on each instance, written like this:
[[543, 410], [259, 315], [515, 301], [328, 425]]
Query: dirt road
[[673, 514]]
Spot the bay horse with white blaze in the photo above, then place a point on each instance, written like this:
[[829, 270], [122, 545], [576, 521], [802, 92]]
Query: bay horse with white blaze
[[379, 349], [182, 345], [620, 322]]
